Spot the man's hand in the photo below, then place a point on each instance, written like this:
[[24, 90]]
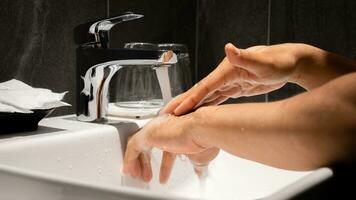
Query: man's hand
[[253, 71], [171, 134], [244, 72], [248, 72]]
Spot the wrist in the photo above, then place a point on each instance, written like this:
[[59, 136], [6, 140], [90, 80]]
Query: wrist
[[199, 128], [305, 57]]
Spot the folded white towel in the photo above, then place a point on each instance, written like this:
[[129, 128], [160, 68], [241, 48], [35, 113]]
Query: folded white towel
[[8, 108], [16, 96]]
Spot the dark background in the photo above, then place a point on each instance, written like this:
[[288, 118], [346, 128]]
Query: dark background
[[37, 42], [38, 39]]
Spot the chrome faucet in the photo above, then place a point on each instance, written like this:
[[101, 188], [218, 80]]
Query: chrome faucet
[[92, 96], [97, 79]]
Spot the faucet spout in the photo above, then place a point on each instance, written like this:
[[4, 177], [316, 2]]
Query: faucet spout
[[97, 80]]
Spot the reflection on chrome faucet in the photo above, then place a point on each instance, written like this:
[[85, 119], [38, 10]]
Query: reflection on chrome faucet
[[97, 79]]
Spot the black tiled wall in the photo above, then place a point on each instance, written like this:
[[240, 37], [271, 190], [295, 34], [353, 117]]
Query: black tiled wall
[[165, 21], [37, 42], [241, 22], [327, 24], [172, 21], [38, 45]]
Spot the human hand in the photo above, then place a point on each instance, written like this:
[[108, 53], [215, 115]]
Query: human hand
[[200, 161], [244, 72], [173, 135]]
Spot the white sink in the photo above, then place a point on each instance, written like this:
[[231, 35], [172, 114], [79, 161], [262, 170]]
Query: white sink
[[67, 159]]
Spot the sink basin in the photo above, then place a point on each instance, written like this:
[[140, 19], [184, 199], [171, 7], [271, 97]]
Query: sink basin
[[67, 159]]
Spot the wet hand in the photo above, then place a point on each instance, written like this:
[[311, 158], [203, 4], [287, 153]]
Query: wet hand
[[244, 72], [169, 133]]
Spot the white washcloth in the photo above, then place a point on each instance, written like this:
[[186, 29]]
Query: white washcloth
[[16, 96]]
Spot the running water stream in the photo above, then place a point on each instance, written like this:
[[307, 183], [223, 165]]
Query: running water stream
[[164, 83]]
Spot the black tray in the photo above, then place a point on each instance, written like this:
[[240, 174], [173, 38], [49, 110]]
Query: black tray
[[21, 122]]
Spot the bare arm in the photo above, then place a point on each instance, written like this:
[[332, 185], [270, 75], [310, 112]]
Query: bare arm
[[304, 132], [316, 67], [261, 69]]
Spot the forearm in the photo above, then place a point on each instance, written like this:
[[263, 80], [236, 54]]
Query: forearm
[[304, 132], [316, 67], [254, 132]]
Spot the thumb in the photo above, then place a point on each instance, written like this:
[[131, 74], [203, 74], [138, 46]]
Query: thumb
[[249, 60]]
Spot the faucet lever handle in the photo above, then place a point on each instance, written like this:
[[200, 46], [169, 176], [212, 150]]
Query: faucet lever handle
[[107, 24], [101, 28]]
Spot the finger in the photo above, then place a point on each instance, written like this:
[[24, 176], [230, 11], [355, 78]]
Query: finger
[[145, 160], [251, 61], [220, 92], [133, 168], [137, 169], [221, 96], [166, 166], [131, 163], [205, 87], [172, 105], [176, 102], [193, 98]]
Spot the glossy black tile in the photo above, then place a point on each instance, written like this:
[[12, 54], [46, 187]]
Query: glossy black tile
[[327, 24], [172, 21], [286, 91], [38, 45], [241, 22]]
